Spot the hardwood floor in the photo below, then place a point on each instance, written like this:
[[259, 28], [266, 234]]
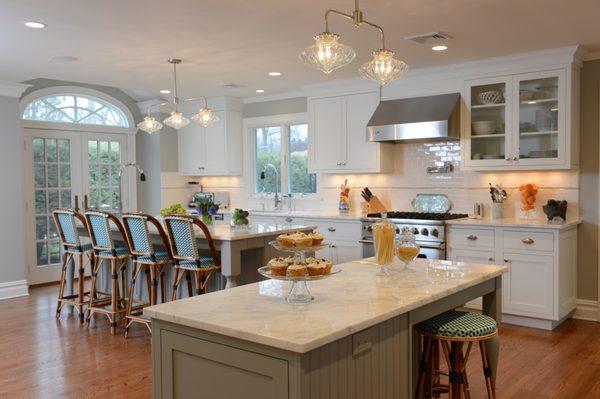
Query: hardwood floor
[[42, 357]]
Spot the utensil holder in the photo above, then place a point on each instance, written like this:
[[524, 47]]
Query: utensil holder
[[497, 210]]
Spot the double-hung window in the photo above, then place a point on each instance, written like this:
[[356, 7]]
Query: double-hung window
[[283, 147]]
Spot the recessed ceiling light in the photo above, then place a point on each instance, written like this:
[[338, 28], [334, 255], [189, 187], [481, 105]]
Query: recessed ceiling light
[[35, 25], [274, 73], [260, 91], [165, 91], [439, 48]]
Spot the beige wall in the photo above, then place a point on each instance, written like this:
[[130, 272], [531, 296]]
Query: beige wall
[[588, 231]]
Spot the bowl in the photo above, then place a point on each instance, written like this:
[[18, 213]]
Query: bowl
[[554, 211], [490, 97], [526, 95], [484, 127]]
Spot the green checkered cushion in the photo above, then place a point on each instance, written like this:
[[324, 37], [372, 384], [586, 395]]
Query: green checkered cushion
[[120, 251], [206, 262], [455, 324], [160, 256]]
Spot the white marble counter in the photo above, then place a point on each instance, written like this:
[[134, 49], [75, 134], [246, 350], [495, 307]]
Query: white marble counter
[[315, 214], [348, 302], [511, 222]]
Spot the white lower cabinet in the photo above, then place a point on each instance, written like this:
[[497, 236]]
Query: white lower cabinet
[[539, 289]]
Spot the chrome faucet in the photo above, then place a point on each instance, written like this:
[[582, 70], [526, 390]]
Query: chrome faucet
[[277, 199], [121, 170]]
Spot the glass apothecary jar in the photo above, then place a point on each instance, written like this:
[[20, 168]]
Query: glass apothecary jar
[[406, 247], [384, 238]]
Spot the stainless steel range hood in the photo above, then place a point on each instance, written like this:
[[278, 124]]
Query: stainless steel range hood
[[418, 119]]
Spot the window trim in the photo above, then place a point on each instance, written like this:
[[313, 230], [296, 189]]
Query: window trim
[[249, 125], [75, 91]]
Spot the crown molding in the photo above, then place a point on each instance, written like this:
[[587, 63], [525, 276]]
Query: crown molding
[[591, 56], [11, 89], [274, 97]]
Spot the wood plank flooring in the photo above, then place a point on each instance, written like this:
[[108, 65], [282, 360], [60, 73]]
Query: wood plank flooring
[[42, 357]]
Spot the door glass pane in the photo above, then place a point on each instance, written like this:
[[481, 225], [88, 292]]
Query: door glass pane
[[64, 151], [104, 153], [40, 201], [52, 200], [38, 150], [65, 198], [54, 249], [65, 175], [268, 151], [40, 175], [51, 154], [115, 152], [92, 151], [488, 121], [52, 170], [42, 253], [41, 227], [538, 118], [103, 174], [300, 180]]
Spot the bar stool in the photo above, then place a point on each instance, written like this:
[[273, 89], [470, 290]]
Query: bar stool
[[98, 223], [188, 258], [66, 224], [145, 257], [452, 330]]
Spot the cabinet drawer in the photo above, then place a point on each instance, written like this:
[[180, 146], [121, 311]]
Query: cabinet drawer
[[333, 230], [528, 240], [471, 238]]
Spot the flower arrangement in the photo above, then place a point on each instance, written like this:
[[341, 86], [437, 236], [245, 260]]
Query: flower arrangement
[[206, 210]]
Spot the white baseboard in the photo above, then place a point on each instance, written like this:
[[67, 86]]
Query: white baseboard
[[586, 310], [13, 289]]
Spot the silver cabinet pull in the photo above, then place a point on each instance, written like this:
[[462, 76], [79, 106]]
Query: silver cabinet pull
[[507, 261], [471, 237], [528, 241], [289, 219], [515, 158], [332, 229], [490, 259]]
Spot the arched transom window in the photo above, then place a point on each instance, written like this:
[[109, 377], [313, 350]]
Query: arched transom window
[[69, 108]]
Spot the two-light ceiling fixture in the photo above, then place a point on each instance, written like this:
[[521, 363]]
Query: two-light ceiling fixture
[[177, 120], [328, 54]]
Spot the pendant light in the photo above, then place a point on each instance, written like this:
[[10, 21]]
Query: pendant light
[[328, 54], [205, 115], [149, 124], [176, 120]]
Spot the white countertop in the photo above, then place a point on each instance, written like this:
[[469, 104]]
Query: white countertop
[[355, 299], [511, 222], [315, 214]]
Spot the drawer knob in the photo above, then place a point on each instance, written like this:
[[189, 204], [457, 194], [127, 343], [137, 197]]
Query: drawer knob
[[528, 241], [289, 219], [471, 237], [332, 229], [507, 261], [490, 259]]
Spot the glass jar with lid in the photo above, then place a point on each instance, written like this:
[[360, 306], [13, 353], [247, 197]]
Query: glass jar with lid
[[406, 247], [384, 236]]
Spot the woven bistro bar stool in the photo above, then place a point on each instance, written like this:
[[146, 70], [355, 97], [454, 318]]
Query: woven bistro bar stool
[[98, 223], [145, 257], [66, 224], [454, 329], [188, 258]]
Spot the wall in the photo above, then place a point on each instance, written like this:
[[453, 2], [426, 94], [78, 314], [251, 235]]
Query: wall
[[11, 228], [588, 230]]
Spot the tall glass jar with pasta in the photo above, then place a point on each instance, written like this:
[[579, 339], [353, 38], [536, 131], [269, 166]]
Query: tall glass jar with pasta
[[384, 237]]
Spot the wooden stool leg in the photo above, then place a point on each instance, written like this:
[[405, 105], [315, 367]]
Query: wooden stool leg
[[176, 279], [123, 269], [114, 303], [134, 275], [61, 290], [423, 367], [163, 290], [80, 282], [487, 372], [463, 361], [95, 267], [188, 278], [154, 284]]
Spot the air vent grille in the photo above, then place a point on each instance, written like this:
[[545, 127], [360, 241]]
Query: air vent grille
[[424, 37]]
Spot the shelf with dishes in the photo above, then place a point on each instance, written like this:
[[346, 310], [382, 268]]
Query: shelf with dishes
[[540, 133], [483, 106], [539, 101], [488, 136]]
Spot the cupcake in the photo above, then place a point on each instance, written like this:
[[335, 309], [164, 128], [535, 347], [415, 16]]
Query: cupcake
[[319, 268], [285, 240], [278, 266], [302, 240], [289, 260], [296, 271], [317, 238]]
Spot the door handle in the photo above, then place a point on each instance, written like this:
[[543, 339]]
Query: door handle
[[490, 259], [528, 241], [366, 241], [471, 237], [76, 207], [507, 261], [332, 229]]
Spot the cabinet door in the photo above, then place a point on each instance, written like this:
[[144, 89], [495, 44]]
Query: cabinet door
[[344, 251], [215, 144], [326, 135], [361, 154], [528, 285], [461, 255], [539, 118], [191, 149], [488, 123]]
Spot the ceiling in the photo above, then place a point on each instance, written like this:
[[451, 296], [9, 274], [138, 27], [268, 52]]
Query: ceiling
[[126, 43]]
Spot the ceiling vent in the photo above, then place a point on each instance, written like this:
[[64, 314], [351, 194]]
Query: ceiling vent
[[424, 37]]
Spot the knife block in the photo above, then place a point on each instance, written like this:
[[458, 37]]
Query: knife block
[[376, 206]]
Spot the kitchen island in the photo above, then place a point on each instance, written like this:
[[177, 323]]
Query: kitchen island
[[355, 340]]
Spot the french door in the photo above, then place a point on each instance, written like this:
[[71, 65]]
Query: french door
[[64, 169]]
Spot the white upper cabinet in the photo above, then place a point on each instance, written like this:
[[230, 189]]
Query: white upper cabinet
[[215, 150], [337, 135], [519, 122]]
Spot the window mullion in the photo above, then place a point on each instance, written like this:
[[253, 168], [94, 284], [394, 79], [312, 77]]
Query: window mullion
[[285, 159]]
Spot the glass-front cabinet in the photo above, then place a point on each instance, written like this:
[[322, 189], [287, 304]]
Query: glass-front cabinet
[[516, 122]]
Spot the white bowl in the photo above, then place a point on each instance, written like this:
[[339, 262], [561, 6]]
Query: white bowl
[[483, 127], [490, 97]]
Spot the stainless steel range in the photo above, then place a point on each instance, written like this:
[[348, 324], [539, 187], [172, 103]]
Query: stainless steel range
[[429, 229]]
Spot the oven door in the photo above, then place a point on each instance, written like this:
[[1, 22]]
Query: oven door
[[428, 250]]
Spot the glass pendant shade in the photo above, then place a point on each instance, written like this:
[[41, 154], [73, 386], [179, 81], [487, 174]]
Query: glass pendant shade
[[383, 68], [149, 125], [205, 117], [327, 54], [176, 120]]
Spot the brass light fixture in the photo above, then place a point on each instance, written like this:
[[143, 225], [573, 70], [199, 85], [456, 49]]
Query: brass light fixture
[[177, 120], [328, 54]]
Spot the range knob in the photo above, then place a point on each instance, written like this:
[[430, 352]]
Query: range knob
[[435, 232], [370, 228], [414, 230], [424, 232]]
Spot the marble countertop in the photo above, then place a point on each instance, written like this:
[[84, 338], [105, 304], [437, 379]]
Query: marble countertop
[[314, 214], [355, 299], [511, 222]]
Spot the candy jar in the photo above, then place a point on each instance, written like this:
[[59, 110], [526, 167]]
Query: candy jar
[[406, 247], [384, 235]]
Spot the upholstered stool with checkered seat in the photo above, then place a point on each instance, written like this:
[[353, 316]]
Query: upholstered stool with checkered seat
[[105, 249], [147, 258], [452, 330], [66, 223], [188, 258]]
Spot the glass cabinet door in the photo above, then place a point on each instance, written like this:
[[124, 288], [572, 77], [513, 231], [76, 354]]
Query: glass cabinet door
[[539, 118], [489, 141]]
